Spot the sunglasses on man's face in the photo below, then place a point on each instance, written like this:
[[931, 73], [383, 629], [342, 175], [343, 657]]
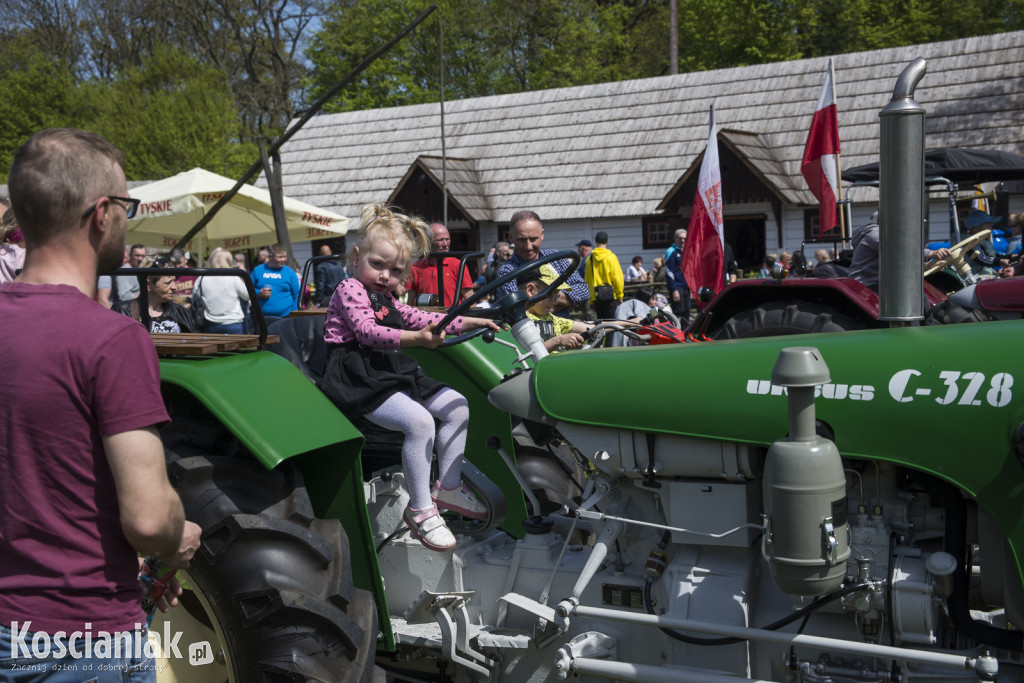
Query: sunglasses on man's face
[[130, 205]]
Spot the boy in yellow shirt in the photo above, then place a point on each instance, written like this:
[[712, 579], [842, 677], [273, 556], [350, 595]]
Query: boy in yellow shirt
[[558, 333]]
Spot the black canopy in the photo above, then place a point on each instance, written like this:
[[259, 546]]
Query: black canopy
[[958, 165]]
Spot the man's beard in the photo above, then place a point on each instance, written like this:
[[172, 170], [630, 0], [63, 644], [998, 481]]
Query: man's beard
[[110, 256]]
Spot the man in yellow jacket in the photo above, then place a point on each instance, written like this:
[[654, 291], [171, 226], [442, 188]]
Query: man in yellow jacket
[[604, 278]]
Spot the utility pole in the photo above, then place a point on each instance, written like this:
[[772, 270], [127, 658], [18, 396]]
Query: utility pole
[[673, 40]]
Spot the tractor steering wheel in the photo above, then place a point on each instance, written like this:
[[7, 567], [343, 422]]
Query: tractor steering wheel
[[958, 254], [506, 307]]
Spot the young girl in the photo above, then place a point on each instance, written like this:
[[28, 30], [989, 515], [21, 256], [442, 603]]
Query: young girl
[[369, 376]]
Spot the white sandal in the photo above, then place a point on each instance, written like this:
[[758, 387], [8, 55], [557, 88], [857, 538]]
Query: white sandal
[[428, 526]]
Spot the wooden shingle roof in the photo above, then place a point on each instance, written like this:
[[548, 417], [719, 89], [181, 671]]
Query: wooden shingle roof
[[618, 149], [460, 177]]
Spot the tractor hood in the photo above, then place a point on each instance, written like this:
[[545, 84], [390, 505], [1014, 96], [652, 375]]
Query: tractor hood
[[950, 413]]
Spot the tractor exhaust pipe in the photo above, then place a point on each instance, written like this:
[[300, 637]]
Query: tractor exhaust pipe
[[901, 198]]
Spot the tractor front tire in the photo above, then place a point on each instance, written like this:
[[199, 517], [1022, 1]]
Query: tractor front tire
[[271, 580], [786, 317]]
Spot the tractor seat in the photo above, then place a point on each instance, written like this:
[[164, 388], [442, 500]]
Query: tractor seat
[[302, 343]]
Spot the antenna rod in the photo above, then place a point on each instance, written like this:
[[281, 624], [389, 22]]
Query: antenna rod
[[312, 111]]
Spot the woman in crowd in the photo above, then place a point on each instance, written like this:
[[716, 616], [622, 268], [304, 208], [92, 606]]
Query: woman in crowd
[[659, 270], [636, 272], [12, 245], [164, 314], [222, 298], [798, 265]]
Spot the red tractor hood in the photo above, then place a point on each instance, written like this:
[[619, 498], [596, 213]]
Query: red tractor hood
[[1002, 294]]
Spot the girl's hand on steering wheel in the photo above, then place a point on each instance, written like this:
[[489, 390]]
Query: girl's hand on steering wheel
[[429, 337]]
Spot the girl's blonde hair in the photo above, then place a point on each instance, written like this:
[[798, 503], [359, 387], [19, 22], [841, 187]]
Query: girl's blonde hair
[[410, 235]]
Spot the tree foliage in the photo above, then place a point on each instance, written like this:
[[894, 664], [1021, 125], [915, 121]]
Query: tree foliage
[[258, 45], [38, 93], [490, 47], [170, 113], [181, 83], [501, 46], [78, 53], [828, 28], [174, 113]]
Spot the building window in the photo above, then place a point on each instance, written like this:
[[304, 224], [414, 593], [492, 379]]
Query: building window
[[812, 225], [658, 230]]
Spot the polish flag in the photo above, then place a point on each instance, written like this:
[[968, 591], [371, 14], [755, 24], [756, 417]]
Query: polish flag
[[704, 251], [820, 166]]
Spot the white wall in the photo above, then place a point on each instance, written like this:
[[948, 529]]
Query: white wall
[[625, 235]]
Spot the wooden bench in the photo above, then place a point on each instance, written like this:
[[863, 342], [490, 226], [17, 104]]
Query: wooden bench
[[199, 344]]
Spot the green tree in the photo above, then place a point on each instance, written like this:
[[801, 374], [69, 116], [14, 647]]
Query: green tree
[[38, 93], [170, 114], [716, 35], [500, 46], [490, 47], [257, 44], [827, 27]]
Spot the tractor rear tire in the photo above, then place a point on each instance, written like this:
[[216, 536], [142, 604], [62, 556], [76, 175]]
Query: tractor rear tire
[[786, 317], [272, 580]]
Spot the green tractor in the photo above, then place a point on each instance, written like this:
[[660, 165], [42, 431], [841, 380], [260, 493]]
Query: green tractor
[[778, 508]]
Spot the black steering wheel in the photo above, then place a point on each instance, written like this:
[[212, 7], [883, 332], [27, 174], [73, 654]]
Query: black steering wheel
[[511, 307]]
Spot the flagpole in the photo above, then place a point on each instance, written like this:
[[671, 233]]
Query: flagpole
[[721, 235], [839, 162], [842, 204]]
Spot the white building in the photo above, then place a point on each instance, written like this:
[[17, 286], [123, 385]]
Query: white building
[[623, 157]]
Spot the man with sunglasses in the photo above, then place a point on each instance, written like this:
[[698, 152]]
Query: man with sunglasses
[[83, 481]]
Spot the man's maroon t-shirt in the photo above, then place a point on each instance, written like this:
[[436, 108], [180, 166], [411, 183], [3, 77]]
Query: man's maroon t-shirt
[[71, 372]]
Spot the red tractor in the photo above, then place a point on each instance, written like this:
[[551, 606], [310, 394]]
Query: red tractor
[[795, 305]]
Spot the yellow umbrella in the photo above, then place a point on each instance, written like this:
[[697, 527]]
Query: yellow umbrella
[[171, 207]]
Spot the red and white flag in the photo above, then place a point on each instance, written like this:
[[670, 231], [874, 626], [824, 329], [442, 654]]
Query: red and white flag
[[820, 165], [704, 252]]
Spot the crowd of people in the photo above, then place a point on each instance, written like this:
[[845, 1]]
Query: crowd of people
[[596, 290], [183, 303]]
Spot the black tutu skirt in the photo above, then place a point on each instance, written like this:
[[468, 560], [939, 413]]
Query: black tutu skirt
[[359, 379]]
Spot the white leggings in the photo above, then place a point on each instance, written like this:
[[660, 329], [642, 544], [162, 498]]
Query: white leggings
[[416, 420]]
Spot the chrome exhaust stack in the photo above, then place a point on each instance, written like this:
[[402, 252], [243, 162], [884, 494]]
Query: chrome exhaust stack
[[901, 198]]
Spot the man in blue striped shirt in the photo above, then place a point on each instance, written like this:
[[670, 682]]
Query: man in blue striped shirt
[[527, 235]]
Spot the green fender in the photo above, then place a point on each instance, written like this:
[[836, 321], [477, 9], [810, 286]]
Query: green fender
[[265, 401], [946, 400], [280, 415]]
